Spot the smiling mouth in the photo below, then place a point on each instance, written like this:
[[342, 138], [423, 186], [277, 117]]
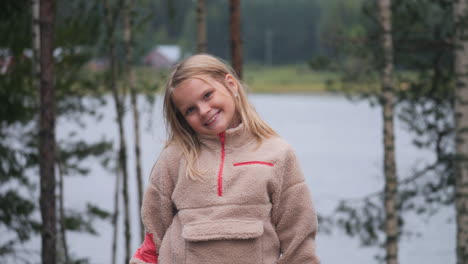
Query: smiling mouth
[[212, 119]]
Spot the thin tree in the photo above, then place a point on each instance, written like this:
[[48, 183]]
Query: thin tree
[[391, 182], [201, 26], [62, 208], [115, 217], [460, 14], [235, 36], [35, 29], [111, 22], [128, 17], [47, 132]]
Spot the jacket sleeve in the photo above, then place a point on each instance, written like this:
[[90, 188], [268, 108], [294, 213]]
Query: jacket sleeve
[[293, 214], [157, 210]]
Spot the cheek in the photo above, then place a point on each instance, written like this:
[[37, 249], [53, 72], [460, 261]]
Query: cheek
[[227, 100], [191, 120]]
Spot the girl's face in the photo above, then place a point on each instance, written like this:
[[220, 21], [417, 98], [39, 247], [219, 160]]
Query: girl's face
[[207, 105]]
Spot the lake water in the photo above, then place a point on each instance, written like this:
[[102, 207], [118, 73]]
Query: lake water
[[339, 145]]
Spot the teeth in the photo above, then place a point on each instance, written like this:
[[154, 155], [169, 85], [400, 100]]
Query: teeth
[[212, 119]]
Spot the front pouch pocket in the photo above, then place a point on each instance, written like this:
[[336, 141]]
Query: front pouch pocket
[[223, 242]]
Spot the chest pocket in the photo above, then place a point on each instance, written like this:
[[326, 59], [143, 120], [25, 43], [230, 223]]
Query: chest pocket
[[221, 242]]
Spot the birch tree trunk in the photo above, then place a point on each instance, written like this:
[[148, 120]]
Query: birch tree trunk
[[460, 10], [391, 181], [115, 218], [201, 26], [47, 132], [129, 14], [111, 21], [236, 38], [62, 208]]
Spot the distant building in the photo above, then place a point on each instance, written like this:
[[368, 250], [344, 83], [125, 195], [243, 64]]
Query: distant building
[[163, 56], [98, 64]]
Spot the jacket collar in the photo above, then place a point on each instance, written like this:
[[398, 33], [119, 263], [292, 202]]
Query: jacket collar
[[233, 138]]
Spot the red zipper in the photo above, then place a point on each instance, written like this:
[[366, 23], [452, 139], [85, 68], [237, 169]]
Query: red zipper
[[222, 137]]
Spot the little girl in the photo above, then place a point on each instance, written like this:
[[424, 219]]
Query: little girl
[[226, 189]]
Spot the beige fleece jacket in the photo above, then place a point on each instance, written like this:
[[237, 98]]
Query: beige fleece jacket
[[252, 207]]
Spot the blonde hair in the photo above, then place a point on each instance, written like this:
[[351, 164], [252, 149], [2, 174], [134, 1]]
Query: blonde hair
[[180, 132]]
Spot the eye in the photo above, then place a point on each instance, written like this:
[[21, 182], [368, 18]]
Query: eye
[[208, 95], [189, 110]]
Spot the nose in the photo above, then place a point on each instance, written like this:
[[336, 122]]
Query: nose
[[204, 108]]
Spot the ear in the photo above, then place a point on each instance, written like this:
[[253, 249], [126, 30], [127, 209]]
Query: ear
[[231, 83]]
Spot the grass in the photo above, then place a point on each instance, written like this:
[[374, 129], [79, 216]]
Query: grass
[[259, 79], [287, 79], [297, 78], [301, 79]]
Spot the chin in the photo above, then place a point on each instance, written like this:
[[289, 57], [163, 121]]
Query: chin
[[218, 128], [215, 132]]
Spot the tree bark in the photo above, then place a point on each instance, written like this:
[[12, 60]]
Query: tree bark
[[460, 10], [47, 132], [111, 20], [35, 29], [201, 26], [391, 181], [62, 208], [115, 218], [236, 38], [129, 15]]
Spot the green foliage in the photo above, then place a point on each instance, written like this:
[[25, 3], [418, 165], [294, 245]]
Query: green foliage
[[83, 221], [159, 22], [427, 103], [15, 17], [347, 47], [422, 31], [15, 214], [97, 212], [320, 62], [288, 27], [17, 109], [74, 153], [76, 29], [75, 222], [364, 222], [340, 23]]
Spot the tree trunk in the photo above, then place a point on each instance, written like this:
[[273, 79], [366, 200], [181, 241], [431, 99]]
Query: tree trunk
[[115, 218], [111, 20], [62, 209], [123, 165], [201, 26], [47, 132], [236, 39], [460, 10], [36, 68], [391, 181], [129, 14]]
